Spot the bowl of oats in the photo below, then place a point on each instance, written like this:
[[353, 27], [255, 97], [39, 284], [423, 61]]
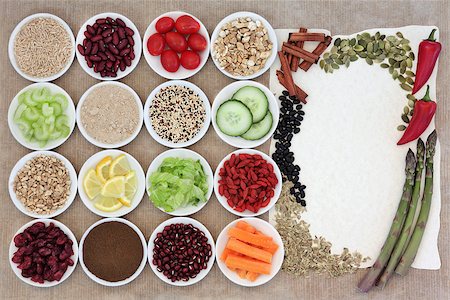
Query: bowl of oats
[[43, 184], [177, 114], [243, 45]]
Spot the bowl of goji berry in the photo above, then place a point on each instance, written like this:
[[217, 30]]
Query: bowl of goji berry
[[247, 183]]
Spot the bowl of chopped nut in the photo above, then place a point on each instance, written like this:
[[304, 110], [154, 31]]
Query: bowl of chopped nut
[[43, 184], [243, 45]]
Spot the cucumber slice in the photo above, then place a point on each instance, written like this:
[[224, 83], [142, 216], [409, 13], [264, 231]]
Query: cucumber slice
[[47, 111], [29, 135], [61, 100], [65, 130], [54, 135], [22, 97], [31, 114], [260, 129], [41, 133], [28, 99], [19, 111], [39, 122], [57, 110], [255, 100], [62, 120], [24, 126], [40, 95], [233, 118]]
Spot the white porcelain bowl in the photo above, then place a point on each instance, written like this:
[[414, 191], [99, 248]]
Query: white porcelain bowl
[[12, 38], [154, 61], [51, 144], [21, 163], [99, 143], [134, 165], [182, 153], [183, 220], [148, 122], [247, 213], [226, 94], [74, 257], [270, 31], [139, 269], [137, 46], [277, 259]]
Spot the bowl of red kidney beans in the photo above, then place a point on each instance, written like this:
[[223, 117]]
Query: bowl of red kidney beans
[[43, 253], [108, 46], [247, 183], [176, 45], [181, 251]]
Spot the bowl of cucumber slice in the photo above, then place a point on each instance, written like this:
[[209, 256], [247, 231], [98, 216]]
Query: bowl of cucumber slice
[[41, 116], [245, 114]]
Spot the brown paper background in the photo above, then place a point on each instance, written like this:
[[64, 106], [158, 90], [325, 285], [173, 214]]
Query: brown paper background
[[340, 17]]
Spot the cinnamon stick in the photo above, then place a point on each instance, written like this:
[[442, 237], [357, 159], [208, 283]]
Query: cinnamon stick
[[300, 53], [305, 65], [299, 93], [303, 36], [289, 81], [295, 60]]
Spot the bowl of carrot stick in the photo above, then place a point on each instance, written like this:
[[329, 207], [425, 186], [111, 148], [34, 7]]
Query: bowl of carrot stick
[[249, 251]]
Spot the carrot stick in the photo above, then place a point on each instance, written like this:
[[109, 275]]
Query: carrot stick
[[249, 251], [242, 273], [250, 238], [247, 264], [225, 253], [252, 276], [245, 226], [272, 248]]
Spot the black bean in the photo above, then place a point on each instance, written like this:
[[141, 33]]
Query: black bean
[[285, 93]]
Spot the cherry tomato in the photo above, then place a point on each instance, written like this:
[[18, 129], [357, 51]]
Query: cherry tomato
[[170, 60], [190, 59], [176, 41], [156, 44], [197, 42], [187, 25], [165, 24]]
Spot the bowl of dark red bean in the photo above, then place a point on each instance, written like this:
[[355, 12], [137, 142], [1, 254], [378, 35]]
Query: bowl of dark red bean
[[108, 46], [181, 251], [43, 253]]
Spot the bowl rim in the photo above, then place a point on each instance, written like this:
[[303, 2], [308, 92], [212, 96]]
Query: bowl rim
[[74, 257], [270, 31], [184, 220], [13, 36], [73, 185], [86, 134], [158, 69], [239, 142], [202, 131], [277, 191], [137, 46], [138, 270], [91, 162], [208, 172], [70, 112], [280, 252]]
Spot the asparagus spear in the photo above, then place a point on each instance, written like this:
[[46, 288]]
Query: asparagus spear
[[414, 243], [408, 226], [371, 277]]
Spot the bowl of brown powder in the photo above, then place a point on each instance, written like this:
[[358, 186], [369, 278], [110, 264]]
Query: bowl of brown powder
[[177, 114], [113, 252], [109, 114], [41, 47]]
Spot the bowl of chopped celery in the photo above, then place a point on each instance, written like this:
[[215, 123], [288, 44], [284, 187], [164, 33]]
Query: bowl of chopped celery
[[179, 182], [41, 116]]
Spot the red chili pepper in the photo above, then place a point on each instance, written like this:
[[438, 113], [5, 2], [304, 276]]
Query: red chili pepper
[[423, 113], [429, 51]]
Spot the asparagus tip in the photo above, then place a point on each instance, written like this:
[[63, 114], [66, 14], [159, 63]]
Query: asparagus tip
[[431, 143], [410, 162]]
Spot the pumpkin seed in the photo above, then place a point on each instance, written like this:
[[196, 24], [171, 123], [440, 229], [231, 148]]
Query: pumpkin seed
[[411, 97], [387, 46], [406, 110], [345, 48], [335, 66], [337, 41], [358, 48], [399, 34], [411, 112], [411, 55], [395, 74], [377, 35], [353, 58], [362, 43], [384, 66], [391, 69], [334, 56], [382, 37], [406, 87], [362, 54], [391, 38], [402, 70], [343, 43], [334, 49], [411, 103], [381, 45], [370, 47], [404, 41], [371, 55], [328, 60], [409, 73], [338, 61], [405, 119], [369, 61], [347, 63], [401, 78], [365, 35], [401, 127], [322, 64], [406, 47], [351, 52], [352, 42], [397, 65], [381, 56], [409, 64], [392, 61], [326, 55], [410, 81]]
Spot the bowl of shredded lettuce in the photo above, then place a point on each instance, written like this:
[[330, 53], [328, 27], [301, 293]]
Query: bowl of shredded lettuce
[[179, 182]]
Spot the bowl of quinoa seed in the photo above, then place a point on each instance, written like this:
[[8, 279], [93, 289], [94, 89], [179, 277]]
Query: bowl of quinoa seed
[[177, 114], [109, 114]]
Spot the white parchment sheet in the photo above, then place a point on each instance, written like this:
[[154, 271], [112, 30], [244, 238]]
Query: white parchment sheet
[[350, 163]]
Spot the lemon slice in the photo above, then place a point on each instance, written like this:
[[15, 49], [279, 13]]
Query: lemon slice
[[107, 204], [114, 187], [130, 188], [92, 184], [102, 168], [119, 166]]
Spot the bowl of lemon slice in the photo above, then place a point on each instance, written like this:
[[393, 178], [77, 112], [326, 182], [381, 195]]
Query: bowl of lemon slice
[[111, 183]]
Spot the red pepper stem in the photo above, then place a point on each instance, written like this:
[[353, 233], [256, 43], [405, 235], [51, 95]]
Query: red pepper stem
[[427, 98], [431, 37]]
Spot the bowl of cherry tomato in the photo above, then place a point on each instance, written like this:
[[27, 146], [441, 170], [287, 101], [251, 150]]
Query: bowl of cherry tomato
[[176, 45]]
